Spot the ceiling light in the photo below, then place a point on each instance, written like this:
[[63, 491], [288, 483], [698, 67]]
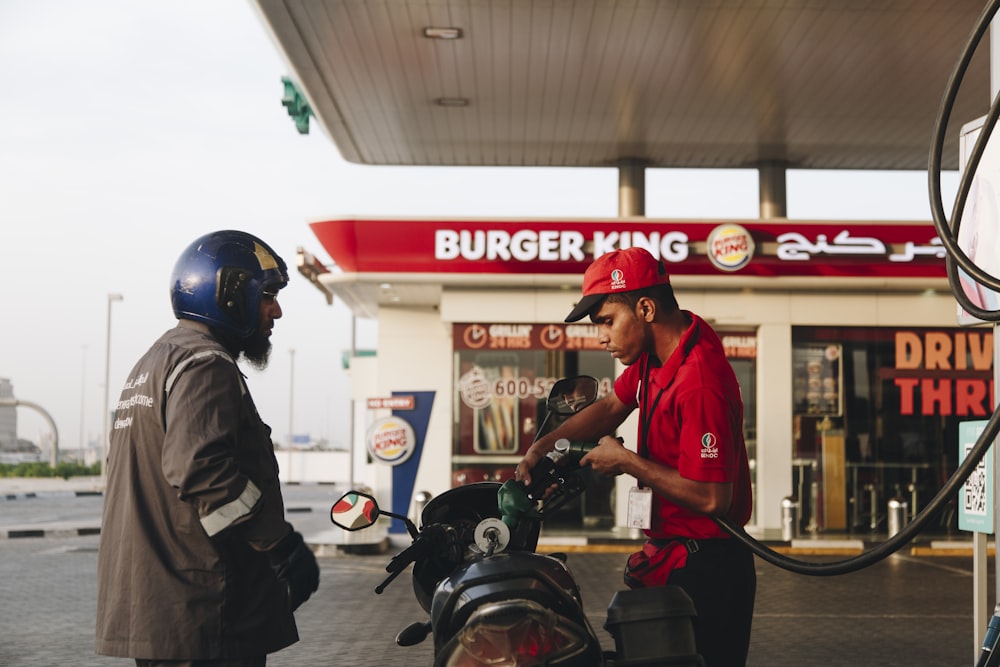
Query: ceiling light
[[443, 33], [452, 101]]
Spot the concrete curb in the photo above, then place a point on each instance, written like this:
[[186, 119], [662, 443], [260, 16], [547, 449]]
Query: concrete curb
[[14, 532], [329, 543], [47, 494]]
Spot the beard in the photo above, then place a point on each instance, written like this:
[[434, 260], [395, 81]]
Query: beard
[[257, 350]]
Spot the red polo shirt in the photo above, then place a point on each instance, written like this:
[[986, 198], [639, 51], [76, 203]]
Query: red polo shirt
[[692, 414]]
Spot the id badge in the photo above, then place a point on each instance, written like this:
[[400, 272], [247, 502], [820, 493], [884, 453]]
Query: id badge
[[640, 507]]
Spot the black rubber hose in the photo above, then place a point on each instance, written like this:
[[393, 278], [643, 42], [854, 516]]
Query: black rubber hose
[[948, 233], [891, 545], [956, 257]]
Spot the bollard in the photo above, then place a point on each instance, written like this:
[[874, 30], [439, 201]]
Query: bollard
[[789, 519], [813, 525], [897, 515], [420, 500], [873, 504]]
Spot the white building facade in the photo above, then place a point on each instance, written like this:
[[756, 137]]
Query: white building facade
[[844, 337]]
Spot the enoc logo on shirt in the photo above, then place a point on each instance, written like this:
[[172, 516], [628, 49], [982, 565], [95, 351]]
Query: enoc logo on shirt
[[709, 446]]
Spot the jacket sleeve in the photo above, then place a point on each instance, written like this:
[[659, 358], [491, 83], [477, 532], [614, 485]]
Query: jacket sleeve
[[218, 465]]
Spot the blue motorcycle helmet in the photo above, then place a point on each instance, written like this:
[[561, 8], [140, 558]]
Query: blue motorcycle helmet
[[219, 280]]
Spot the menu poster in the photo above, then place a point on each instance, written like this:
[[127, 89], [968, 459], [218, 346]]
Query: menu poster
[[496, 423], [817, 380]]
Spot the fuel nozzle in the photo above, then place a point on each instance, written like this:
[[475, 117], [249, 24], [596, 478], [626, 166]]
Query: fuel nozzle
[[565, 450]]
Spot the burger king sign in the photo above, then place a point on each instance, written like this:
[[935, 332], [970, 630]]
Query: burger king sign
[[730, 247], [391, 440]]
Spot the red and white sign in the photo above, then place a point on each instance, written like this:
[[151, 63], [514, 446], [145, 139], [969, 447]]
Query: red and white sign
[[392, 403], [730, 247], [391, 440], [576, 336], [533, 246]]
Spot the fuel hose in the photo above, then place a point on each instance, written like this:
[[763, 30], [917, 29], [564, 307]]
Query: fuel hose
[[956, 258], [891, 545]]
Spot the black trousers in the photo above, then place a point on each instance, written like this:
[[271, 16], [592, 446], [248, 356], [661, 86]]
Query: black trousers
[[721, 579]]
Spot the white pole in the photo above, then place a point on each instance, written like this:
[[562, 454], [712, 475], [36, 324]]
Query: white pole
[[291, 409], [351, 424], [979, 553], [107, 379], [83, 402]]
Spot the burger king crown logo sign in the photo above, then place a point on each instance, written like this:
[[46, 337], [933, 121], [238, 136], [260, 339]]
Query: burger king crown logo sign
[[391, 440], [730, 247]]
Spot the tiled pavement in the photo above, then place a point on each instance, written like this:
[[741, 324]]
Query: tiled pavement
[[905, 610]]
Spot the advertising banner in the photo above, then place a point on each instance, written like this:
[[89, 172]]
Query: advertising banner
[[554, 246]]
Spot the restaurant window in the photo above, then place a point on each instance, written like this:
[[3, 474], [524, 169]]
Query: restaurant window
[[876, 416], [741, 351], [503, 373]]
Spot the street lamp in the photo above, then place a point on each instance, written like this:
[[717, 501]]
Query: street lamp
[[83, 402], [291, 396], [107, 379], [291, 406]]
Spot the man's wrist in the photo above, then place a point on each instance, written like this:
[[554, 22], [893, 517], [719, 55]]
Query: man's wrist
[[281, 551]]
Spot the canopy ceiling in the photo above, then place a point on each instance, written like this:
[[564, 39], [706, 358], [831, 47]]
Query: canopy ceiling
[[830, 84]]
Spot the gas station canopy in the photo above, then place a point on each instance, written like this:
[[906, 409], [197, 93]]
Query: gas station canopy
[[805, 84]]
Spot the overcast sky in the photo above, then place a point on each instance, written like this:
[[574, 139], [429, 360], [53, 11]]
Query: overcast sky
[[128, 129]]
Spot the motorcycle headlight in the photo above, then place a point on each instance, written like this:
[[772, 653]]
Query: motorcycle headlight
[[518, 633]]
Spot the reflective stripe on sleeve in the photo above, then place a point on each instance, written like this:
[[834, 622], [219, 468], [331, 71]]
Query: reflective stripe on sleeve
[[231, 512]]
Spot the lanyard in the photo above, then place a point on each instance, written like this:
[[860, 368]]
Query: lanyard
[[646, 413]]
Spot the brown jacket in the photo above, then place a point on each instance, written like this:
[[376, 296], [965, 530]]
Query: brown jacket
[[192, 500]]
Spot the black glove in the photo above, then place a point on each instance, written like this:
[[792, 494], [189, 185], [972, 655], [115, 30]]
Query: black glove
[[295, 566]]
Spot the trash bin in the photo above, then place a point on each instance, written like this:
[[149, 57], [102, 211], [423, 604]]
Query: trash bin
[[789, 518], [897, 515]]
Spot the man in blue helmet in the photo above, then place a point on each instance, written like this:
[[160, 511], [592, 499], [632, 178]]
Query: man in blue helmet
[[197, 564]]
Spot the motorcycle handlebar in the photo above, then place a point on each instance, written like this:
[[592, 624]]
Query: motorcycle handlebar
[[431, 536]]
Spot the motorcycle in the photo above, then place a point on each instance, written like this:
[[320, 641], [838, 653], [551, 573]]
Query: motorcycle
[[493, 600]]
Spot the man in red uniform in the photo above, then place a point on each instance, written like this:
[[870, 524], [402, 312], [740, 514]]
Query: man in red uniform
[[691, 460]]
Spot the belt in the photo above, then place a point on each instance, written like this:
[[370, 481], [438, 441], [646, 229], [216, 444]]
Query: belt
[[692, 545]]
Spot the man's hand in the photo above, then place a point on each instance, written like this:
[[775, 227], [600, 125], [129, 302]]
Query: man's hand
[[608, 458], [295, 566], [522, 473]]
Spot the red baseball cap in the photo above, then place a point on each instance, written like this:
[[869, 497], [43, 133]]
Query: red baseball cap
[[618, 271]]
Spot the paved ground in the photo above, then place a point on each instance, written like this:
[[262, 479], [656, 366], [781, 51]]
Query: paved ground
[[906, 610]]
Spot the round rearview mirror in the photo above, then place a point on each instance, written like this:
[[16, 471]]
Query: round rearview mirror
[[354, 511]]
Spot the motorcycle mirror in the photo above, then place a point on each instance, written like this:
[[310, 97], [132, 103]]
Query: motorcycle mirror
[[355, 511], [570, 395]]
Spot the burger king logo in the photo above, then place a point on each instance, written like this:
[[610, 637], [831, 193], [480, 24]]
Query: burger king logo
[[391, 440], [730, 247]]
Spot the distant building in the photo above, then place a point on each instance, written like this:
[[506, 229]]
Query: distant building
[[13, 450], [8, 417]]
